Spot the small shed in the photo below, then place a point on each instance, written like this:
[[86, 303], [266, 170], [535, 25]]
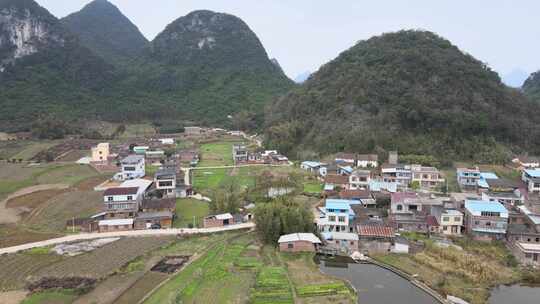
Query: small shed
[[115, 225], [218, 220], [145, 220], [299, 242]]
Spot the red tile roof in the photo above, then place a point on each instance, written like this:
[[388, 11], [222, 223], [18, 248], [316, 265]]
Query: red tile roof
[[121, 191], [348, 194], [336, 179], [398, 197], [342, 155], [376, 231]]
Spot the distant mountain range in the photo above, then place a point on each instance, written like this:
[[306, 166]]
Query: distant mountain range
[[95, 64], [301, 78]]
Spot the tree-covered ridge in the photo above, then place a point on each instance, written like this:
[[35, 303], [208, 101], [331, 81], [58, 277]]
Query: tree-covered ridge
[[411, 90], [102, 28], [531, 87]]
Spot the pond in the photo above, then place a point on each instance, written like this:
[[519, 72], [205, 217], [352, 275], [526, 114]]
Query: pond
[[515, 294], [376, 285]]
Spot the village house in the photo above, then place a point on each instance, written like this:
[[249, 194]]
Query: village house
[[114, 225], [346, 158], [450, 221], [336, 216], [155, 157], [345, 242], [482, 183], [524, 242], [311, 166], [363, 196], [165, 181], [278, 159], [219, 220], [359, 180], [133, 166], [426, 177], [333, 182], [140, 150], [299, 242], [193, 131], [486, 220], [100, 153], [526, 162], [531, 177], [154, 220], [409, 211], [122, 202], [240, 153], [367, 161], [397, 173], [468, 177], [375, 237], [158, 204], [166, 141]]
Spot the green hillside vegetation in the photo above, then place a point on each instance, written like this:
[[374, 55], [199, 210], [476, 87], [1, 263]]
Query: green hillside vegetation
[[531, 87], [412, 91], [102, 28]]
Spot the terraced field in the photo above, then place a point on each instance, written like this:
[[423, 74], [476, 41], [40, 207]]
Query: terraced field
[[16, 268]]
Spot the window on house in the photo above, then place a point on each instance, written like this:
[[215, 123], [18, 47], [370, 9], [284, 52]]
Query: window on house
[[290, 245], [488, 223], [446, 219], [537, 240], [352, 243], [337, 242], [445, 228], [528, 239], [110, 198], [399, 207], [413, 207], [341, 219], [130, 198], [331, 218], [477, 222], [457, 219]]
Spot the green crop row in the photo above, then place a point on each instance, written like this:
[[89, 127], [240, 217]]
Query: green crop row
[[322, 290]]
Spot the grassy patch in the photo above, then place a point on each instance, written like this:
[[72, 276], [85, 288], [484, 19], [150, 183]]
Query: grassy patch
[[51, 297], [38, 251], [216, 154], [187, 210], [313, 187], [322, 290]]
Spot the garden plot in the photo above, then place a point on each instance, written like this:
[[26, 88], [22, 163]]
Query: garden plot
[[82, 247], [16, 268], [170, 264]]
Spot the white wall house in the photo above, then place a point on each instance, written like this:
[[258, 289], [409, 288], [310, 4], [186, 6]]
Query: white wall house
[[100, 152], [367, 161], [359, 180], [133, 167]]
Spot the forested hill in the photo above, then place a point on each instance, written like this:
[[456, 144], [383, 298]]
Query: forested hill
[[102, 28], [410, 90], [209, 65], [531, 87], [202, 68]]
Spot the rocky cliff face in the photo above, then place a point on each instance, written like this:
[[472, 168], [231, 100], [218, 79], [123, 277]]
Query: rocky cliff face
[[23, 33]]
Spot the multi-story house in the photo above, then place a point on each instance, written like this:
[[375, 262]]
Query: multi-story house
[[133, 166], [345, 159], [165, 181], [359, 180], [398, 173], [486, 220], [409, 211], [427, 177], [468, 177], [312, 166], [240, 153], [509, 198], [336, 216], [524, 236], [122, 202], [531, 177], [367, 161], [526, 162], [100, 152], [450, 220]]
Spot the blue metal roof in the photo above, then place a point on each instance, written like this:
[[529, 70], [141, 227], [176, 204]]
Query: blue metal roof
[[482, 183], [348, 169], [533, 173], [477, 206], [312, 164], [339, 206], [488, 175], [344, 201]]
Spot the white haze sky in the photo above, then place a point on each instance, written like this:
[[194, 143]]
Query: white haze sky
[[304, 34]]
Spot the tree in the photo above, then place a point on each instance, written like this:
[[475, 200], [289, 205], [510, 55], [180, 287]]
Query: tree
[[282, 216], [227, 197], [415, 185]]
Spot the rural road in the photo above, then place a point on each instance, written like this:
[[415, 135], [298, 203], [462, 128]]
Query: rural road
[[131, 233], [11, 215]]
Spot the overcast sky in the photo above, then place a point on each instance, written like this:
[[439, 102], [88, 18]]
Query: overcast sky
[[304, 34]]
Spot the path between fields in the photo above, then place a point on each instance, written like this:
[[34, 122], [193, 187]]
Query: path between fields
[[131, 233], [11, 215]]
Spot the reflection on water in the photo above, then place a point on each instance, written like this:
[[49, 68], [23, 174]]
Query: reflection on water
[[376, 285], [515, 294]]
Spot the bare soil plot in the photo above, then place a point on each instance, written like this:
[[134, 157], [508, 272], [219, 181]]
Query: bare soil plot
[[143, 286], [12, 235], [67, 174], [104, 261], [90, 183], [28, 202], [12, 297], [17, 268], [53, 215], [73, 155]]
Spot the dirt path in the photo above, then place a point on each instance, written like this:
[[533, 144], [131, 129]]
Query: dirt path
[[12, 297], [11, 215]]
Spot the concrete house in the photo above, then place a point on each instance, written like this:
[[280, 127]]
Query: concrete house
[[397, 173], [218, 220], [531, 177], [346, 242], [486, 220], [115, 225], [165, 181], [359, 180], [427, 177], [375, 238], [100, 152], [526, 162], [345, 158], [311, 166], [122, 202], [333, 181], [364, 196], [240, 153], [133, 166], [299, 242], [336, 216], [468, 177], [450, 220], [367, 161]]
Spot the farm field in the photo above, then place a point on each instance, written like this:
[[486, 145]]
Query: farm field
[[17, 267], [217, 154], [13, 235], [187, 210], [451, 271], [51, 297], [138, 130], [26, 150]]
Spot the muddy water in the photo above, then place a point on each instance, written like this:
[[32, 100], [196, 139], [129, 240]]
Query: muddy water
[[515, 294]]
